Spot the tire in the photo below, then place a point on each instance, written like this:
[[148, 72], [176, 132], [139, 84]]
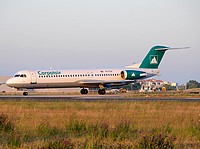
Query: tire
[[25, 93], [101, 91], [84, 91]]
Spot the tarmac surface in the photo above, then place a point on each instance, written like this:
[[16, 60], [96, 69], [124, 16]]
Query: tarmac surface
[[89, 98]]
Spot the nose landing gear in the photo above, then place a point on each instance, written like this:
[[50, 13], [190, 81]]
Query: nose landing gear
[[25, 93]]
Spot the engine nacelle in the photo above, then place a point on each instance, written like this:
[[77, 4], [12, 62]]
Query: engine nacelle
[[133, 74]]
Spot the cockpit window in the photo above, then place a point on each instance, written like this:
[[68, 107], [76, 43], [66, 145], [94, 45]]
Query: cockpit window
[[17, 75], [23, 75], [20, 75]]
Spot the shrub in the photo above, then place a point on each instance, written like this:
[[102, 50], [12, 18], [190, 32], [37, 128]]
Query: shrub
[[103, 130], [14, 141], [59, 144], [5, 124], [195, 129], [156, 139], [77, 128], [46, 131], [9, 135], [123, 130], [99, 144]]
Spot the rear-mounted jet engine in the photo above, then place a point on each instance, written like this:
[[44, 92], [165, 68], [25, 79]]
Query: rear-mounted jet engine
[[132, 74]]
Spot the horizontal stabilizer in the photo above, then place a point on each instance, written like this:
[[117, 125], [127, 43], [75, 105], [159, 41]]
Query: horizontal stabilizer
[[155, 55], [168, 48]]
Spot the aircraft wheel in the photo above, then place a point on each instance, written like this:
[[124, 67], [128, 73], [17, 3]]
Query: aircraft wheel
[[84, 91], [101, 91], [25, 93]]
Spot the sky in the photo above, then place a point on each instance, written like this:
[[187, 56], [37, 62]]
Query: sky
[[77, 34]]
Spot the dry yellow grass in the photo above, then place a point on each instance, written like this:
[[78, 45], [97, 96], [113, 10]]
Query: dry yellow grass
[[182, 117]]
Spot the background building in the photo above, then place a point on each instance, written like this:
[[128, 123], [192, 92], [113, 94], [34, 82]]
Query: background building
[[151, 85]]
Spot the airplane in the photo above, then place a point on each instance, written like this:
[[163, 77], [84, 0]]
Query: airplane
[[94, 78]]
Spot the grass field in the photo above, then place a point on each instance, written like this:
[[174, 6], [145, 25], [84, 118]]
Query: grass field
[[99, 124]]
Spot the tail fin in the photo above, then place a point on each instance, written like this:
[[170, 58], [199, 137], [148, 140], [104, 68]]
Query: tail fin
[[154, 57]]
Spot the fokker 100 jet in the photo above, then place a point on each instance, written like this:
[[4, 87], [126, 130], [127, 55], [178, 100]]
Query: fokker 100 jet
[[94, 78]]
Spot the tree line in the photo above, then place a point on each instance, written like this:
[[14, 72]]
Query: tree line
[[192, 84]]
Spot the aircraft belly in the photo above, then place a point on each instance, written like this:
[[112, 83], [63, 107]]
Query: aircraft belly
[[53, 85]]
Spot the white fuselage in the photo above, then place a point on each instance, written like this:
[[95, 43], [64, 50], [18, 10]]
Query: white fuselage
[[73, 78]]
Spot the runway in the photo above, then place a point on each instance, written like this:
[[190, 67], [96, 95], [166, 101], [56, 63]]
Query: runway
[[92, 98]]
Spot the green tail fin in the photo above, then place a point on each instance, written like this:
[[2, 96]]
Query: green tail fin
[[154, 57]]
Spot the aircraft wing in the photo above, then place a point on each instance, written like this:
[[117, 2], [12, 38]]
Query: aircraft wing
[[108, 83]]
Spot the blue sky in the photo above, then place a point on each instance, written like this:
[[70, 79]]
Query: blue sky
[[77, 34]]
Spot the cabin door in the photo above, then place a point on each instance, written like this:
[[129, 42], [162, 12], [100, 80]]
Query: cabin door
[[33, 77]]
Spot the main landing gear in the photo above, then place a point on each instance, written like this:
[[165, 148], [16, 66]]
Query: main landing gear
[[84, 91], [101, 91]]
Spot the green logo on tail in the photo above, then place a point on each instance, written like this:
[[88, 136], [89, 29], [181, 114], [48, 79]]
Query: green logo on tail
[[153, 59]]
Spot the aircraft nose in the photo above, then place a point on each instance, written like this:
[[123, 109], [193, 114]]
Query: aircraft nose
[[9, 82]]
